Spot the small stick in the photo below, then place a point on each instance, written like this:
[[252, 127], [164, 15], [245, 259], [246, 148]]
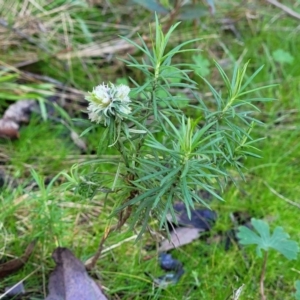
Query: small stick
[[122, 221], [281, 196], [286, 9]]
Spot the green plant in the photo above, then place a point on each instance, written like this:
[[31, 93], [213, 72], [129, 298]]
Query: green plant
[[278, 241], [283, 57], [201, 65], [170, 153], [297, 286]]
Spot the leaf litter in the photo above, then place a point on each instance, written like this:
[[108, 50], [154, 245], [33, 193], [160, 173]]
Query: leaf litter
[[70, 280], [185, 231], [188, 229], [19, 113], [16, 114], [16, 264]]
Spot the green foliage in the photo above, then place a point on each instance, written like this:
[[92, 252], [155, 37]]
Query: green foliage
[[201, 65], [283, 57], [46, 210], [278, 241], [10, 89]]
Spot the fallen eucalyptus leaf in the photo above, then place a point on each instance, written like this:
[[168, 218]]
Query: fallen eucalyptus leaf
[[179, 237], [16, 264], [15, 114], [70, 281], [190, 228], [20, 111], [15, 290], [202, 218], [168, 263], [9, 129]]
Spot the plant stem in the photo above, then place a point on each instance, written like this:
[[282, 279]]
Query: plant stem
[[122, 220], [172, 16], [262, 276]]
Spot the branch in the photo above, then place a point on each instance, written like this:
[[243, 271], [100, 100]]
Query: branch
[[281, 196], [122, 220], [286, 9]]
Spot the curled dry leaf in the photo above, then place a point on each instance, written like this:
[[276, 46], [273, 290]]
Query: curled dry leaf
[[19, 111], [15, 290], [202, 218], [16, 114], [9, 129], [179, 237], [189, 228], [70, 281], [17, 263]]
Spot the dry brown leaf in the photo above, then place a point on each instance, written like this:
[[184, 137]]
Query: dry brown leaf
[[17, 263], [16, 114], [15, 290], [201, 218], [9, 129], [79, 142], [19, 111], [179, 237], [70, 281]]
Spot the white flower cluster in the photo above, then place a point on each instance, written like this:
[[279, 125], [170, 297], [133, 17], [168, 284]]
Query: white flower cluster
[[108, 102]]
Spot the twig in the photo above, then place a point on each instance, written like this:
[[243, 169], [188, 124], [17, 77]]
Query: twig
[[133, 237], [173, 14], [122, 220], [286, 9], [238, 292], [21, 281], [262, 277], [281, 196]]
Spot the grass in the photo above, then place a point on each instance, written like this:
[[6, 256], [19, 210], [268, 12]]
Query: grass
[[60, 217]]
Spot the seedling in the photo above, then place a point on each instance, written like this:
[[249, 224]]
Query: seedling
[[278, 241], [168, 151]]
